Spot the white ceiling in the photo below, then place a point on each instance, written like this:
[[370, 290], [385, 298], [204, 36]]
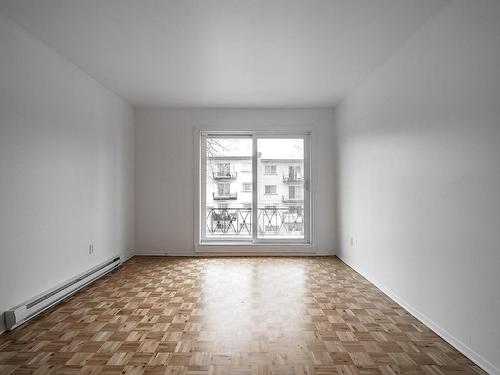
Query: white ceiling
[[224, 53]]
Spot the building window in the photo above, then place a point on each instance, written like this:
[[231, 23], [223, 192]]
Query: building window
[[270, 189], [223, 168], [279, 208], [223, 190], [270, 169], [294, 171], [294, 192]]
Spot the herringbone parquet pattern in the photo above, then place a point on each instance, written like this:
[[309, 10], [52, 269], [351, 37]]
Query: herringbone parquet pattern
[[229, 316]]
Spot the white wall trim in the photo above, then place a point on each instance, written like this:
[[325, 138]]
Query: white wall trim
[[244, 254], [447, 336]]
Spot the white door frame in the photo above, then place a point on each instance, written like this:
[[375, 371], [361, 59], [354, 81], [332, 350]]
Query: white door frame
[[254, 244]]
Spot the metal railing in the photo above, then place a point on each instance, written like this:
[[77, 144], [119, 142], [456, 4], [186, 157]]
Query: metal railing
[[238, 221], [297, 177], [288, 199], [224, 175], [223, 197]]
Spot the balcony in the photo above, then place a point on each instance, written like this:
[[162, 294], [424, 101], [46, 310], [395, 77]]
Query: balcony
[[237, 222], [288, 199], [225, 197], [224, 175], [292, 178]]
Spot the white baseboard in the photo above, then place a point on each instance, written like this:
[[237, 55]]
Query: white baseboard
[[151, 254], [486, 365], [218, 254]]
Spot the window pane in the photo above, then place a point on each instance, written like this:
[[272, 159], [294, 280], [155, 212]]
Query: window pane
[[280, 187], [228, 210]]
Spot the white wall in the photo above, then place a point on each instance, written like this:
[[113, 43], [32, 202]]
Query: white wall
[[165, 170], [419, 177], [66, 169]]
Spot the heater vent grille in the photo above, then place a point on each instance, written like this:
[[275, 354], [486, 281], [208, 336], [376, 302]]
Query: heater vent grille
[[27, 310], [69, 284]]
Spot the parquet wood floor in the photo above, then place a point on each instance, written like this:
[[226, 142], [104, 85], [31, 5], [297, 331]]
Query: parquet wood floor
[[240, 315]]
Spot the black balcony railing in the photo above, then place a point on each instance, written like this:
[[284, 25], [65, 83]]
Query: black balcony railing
[[224, 175], [288, 199], [238, 221], [297, 177], [224, 197]]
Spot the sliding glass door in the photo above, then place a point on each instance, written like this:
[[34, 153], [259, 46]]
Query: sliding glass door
[[254, 187], [280, 188], [227, 204]]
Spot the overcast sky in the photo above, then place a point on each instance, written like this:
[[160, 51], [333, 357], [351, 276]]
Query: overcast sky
[[270, 148]]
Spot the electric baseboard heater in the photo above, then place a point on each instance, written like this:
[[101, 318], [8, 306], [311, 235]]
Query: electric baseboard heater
[[29, 309]]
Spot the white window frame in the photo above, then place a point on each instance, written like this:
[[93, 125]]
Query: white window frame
[[200, 138], [270, 190], [270, 167], [295, 189], [226, 189], [223, 168]]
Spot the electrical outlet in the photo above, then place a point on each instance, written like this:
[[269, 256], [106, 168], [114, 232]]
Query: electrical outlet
[[91, 249], [351, 242]]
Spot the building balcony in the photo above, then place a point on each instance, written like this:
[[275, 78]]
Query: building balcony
[[288, 199], [225, 197], [293, 178], [224, 175]]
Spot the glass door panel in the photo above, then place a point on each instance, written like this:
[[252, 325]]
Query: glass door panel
[[280, 202], [228, 193]]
